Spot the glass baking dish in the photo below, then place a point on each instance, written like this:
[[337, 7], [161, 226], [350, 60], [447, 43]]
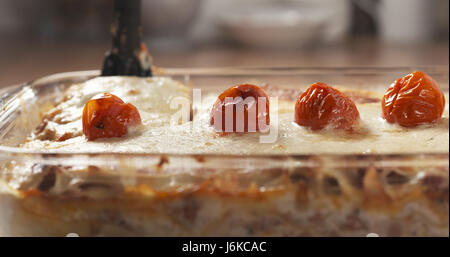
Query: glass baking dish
[[158, 194]]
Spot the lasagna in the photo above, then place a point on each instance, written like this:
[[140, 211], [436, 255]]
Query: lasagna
[[262, 199]]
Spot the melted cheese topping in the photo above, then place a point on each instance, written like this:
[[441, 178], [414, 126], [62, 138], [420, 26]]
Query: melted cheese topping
[[153, 96]]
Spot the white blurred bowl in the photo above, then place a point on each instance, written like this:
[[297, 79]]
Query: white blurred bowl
[[280, 27]]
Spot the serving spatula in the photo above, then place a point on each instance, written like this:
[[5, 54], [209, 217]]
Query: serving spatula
[[128, 56]]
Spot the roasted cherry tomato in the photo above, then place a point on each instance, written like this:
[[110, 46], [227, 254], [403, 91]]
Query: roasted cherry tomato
[[413, 100], [245, 97], [321, 106], [106, 115]]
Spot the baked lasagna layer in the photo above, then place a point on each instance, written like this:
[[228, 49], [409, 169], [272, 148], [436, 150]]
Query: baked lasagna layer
[[61, 129]]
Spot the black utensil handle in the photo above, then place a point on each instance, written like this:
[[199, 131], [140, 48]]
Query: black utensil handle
[[128, 56]]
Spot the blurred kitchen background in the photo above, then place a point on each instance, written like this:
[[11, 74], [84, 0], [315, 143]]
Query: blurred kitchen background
[[40, 37]]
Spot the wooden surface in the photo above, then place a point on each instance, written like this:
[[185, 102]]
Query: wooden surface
[[23, 61]]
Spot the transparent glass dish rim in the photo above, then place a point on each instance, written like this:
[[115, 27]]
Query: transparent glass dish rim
[[213, 161]]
